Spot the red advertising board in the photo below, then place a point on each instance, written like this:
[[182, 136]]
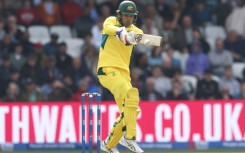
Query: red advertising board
[[162, 121]]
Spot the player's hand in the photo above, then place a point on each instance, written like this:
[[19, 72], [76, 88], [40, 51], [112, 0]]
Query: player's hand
[[130, 39], [122, 34]]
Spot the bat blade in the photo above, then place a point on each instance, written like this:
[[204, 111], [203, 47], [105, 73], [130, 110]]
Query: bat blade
[[151, 40]]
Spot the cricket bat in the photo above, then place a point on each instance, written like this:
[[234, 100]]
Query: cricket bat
[[149, 40]]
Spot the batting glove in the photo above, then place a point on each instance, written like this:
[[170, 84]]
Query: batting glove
[[122, 34], [130, 39]]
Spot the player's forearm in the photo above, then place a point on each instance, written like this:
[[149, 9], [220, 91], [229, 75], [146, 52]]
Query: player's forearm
[[110, 29]]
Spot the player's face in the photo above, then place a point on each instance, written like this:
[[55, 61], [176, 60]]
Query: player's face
[[127, 20]]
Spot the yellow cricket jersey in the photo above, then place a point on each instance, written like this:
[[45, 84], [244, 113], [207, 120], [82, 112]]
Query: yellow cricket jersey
[[113, 52]]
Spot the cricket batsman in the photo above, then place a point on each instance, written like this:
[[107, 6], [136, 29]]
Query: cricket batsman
[[113, 72]]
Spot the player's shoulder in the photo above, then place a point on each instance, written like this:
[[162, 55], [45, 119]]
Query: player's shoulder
[[111, 19], [137, 29]]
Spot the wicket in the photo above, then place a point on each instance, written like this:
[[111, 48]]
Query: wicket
[[97, 98]]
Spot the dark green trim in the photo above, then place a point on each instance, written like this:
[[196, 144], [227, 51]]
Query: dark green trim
[[100, 71], [104, 38], [124, 128], [122, 115]]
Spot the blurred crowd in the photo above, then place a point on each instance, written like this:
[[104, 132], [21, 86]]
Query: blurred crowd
[[195, 62]]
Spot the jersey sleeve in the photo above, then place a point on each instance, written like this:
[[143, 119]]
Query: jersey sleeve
[[109, 27], [138, 31]]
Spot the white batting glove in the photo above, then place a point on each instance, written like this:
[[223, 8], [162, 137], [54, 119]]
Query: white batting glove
[[131, 38], [122, 34]]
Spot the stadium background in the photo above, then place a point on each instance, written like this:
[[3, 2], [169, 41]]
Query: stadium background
[[49, 51]]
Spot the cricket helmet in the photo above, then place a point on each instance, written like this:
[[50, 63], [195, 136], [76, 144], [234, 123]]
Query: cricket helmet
[[127, 7]]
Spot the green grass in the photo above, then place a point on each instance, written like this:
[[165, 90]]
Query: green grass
[[146, 151]]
